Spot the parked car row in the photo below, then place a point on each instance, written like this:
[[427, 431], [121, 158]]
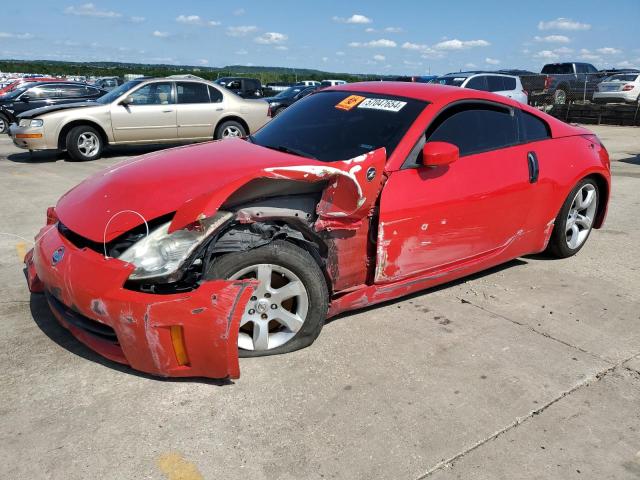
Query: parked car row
[[147, 110]]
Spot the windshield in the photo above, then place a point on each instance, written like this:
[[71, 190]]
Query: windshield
[[290, 92], [331, 126], [453, 81], [16, 91], [116, 92]]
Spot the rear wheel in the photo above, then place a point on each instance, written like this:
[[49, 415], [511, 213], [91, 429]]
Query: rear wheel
[[230, 129], [575, 220], [560, 96], [288, 309], [84, 143]]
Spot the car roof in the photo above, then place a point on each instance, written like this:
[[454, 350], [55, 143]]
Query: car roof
[[427, 92]]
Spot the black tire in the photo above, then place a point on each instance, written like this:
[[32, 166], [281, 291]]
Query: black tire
[[4, 124], [303, 265], [558, 246], [229, 126], [73, 137]]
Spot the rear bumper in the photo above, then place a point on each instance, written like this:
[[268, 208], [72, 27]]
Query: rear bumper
[[85, 293], [611, 97]]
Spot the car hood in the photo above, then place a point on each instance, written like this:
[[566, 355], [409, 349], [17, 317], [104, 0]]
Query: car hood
[[54, 108], [191, 179]]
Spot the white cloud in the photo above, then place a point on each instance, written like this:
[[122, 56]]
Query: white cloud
[[379, 58], [563, 24], [137, 19], [470, 65], [456, 44], [239, 11], [271, 38], [608, 51], [492, 61], [586, 54], [546, 55], [552, 39], [356, 18], [414, 46], [325, 59], [394, 30], [159, 34], [196, 20], [242, 51], [90, 10], [627, 64], [282, 48], [18, 36], [382, 43], [241, 30], [411, 63], [563, 50], [340, 54]]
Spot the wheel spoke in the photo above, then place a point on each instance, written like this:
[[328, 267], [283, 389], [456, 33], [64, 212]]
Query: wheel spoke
[[261, 335], [570, 222], [588, 200], [291, 289], [290, 320], [575, 236], [583, 221], [264, 276]]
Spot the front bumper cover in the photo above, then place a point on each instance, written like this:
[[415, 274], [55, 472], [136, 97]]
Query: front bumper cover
[[85, 292]]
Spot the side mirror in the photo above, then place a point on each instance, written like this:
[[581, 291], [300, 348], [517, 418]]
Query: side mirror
[[25, 98], [439, 153], [127, 101]]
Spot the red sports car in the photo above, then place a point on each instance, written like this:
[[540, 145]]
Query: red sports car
[[175, 261]]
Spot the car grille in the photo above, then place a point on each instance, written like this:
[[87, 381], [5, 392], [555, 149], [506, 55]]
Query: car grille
[[93, 328]]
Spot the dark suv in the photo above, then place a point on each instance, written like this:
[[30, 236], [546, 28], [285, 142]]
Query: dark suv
[[244, 87], [43, 94]]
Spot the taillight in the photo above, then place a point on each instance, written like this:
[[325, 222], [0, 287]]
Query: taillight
[[52, 216], [627, 87]]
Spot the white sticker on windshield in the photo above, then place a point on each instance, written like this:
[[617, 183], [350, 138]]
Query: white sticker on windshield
[[382, 104]]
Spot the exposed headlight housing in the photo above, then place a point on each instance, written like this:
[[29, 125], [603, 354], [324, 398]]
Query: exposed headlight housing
[[27, 122], [161, 255]]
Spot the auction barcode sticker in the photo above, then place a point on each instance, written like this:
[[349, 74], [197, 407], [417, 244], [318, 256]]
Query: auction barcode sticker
[[382, 104]]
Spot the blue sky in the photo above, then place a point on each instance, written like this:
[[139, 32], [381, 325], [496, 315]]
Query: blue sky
[[394, 37]]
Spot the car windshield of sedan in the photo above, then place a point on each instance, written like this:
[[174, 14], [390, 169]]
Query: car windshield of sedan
[[116, 92], [629, 77], [338, 125]]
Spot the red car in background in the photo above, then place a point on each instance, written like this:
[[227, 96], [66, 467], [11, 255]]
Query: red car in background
[[174, 261], [22, 81]]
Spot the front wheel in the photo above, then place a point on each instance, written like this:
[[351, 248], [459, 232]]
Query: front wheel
[[4, 124], [84, 143], [575, 220], [288, 309]]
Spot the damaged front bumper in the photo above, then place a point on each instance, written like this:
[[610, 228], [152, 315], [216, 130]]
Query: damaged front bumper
[[192, 334]]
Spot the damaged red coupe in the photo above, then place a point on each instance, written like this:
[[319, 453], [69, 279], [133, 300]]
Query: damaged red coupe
[[176, 261]]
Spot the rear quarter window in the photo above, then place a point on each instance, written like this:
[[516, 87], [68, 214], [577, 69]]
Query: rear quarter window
[[533, 128]]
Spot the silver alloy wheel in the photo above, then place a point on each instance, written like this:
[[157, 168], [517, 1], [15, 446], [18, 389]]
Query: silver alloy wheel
[[88, 144], [3, 124], [581, 215], [231, 131], [273, 316], [560, 97]]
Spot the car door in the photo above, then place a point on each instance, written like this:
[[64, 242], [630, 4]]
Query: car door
[[197, 113], [147, 114], [436, 218]]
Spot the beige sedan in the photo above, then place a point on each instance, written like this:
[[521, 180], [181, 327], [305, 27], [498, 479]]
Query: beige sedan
[[158, 110]]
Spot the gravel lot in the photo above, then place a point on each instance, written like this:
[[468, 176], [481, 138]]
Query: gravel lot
[[530, 370]]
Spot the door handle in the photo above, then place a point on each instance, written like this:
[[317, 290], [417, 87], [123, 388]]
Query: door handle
[[167, 111], [219, 109], [534, 169]]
